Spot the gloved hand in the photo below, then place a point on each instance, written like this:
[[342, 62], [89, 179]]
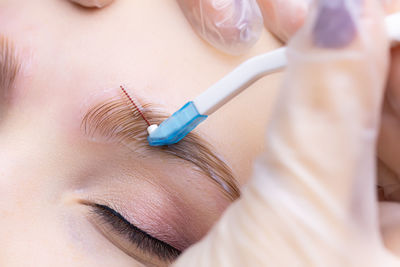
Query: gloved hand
[[230, 25], [233, 26], [312, 199]]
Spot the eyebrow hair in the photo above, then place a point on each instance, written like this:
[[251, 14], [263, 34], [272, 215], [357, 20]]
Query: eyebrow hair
[[116, 120], [9, 66]]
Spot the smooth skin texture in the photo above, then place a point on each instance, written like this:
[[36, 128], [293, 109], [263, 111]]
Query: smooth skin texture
[[72, 59], [284, 18]]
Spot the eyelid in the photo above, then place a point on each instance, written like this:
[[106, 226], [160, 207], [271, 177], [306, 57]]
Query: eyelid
[[114, 120], [140, 239]]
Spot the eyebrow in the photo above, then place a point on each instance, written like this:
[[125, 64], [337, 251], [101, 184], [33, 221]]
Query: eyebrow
[[9, 67], [116, 120]]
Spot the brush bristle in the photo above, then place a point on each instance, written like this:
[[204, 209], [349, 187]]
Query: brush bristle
[[135, 104]]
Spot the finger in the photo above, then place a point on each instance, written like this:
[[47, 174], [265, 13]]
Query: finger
[[330, 114], [391, 6], [390, 220], [311, 201], [93, 3], [231, 26], [389, 147], [284, 17]]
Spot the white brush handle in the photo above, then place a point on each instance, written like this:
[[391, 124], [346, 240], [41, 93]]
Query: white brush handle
[[239, 79], [257, 67]]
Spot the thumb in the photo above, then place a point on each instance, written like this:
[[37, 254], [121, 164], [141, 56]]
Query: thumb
[[284, 17], [229, 25], [311, 201]]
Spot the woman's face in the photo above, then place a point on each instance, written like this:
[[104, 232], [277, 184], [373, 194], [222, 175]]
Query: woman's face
[[74, 190]]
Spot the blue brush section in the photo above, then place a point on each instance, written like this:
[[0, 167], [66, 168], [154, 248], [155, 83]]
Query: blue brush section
[[176, 127]]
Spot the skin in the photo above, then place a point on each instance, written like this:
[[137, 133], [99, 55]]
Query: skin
[[72, 58]]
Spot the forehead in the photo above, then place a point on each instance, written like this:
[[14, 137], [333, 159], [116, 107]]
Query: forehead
[[71, 54], [143, 43]]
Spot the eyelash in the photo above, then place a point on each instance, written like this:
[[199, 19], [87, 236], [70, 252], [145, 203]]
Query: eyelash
[[138, 237]]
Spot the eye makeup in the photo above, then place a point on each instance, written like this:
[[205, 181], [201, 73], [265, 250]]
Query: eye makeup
[[115, 121], [113, 223], [159, 200]]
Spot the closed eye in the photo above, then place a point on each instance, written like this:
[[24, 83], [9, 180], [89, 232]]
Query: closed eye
[[115, 120], [137, 237]]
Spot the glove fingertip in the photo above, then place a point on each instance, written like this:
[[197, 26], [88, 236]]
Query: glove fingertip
[[232, 27]]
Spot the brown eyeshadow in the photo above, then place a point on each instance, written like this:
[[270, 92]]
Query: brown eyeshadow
[[115, 120]]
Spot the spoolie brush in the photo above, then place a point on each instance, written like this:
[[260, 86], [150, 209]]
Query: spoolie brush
[[151, 127], [135, 106]]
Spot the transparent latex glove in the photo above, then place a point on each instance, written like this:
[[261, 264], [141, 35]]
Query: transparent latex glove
[[312, 198], [232, 26], [284, 22], [281, 17], [93, 3], [284, 17]]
